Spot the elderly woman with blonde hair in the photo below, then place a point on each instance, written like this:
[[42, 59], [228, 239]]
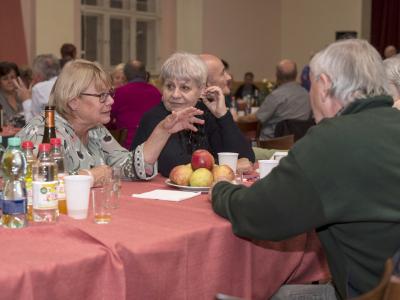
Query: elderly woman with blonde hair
[[82, 96]]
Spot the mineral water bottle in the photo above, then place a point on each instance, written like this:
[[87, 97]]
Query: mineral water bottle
[[27, 148], [44, 187], [14, 193], [58, 157]]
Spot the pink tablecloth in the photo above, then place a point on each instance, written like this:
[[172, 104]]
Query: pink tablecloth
[[151, 250]]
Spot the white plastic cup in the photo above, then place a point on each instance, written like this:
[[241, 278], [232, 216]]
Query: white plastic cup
[[266, 165], [77, 190], [228, 158], [278, 155]]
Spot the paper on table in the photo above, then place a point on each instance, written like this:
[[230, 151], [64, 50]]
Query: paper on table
[[167, 195]]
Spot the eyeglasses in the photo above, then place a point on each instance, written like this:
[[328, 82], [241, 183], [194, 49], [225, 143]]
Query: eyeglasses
[[103, 96]]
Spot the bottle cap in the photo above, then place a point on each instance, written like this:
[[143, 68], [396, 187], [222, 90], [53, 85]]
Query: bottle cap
[[14, 141], [49, 107], [27, 145], [55, 141], [44, 147]]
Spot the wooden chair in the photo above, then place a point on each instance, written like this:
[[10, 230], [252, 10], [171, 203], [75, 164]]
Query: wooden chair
[[251, 130], [281, 143], [119, 135], [393, 289]]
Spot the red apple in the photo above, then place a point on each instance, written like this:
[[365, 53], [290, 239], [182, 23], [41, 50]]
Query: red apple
[[181, 174], [202, 159], [223, 172]]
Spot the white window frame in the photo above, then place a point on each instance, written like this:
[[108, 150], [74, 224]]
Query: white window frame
[[104, 11]]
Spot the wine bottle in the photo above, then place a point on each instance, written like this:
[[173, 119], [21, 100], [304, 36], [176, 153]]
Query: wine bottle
[[49, 126]]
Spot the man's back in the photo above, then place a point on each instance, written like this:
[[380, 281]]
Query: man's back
[[288, 101], [131, 101]]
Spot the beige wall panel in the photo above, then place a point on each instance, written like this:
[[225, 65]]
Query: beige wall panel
[[309, 25], [245, 33], [189, 25], [55, 25]]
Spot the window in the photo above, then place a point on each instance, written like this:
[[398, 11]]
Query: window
[[115, 31]]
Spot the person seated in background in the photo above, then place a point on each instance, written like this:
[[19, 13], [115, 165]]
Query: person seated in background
[[389, 51], [248, 88], [392, 67], [9, 99], [117, 76], [132, 100], [183, 77], [82, 97], [68, 53], [288, 101], [45, 70], [350, 197]]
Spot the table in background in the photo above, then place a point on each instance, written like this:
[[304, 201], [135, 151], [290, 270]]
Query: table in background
[[152, 250]]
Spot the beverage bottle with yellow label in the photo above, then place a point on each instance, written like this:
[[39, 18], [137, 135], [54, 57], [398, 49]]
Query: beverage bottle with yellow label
[[44, 187], [14, 193], [58, 157], [27, 148]]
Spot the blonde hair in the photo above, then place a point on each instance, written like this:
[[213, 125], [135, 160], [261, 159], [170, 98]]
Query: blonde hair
[[74, 79]]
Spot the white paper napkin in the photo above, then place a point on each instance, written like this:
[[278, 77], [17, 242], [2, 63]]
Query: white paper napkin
[[167, 195]]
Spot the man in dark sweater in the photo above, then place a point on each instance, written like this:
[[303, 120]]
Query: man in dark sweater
[[341, 179]]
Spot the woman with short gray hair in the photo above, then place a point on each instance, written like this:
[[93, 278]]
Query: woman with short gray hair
[[184, 84]]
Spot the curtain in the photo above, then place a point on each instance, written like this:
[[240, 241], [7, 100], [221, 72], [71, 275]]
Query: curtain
[[385, 24]]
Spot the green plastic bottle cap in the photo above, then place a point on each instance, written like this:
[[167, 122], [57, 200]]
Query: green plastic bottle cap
[[14, 141], [1, 139]]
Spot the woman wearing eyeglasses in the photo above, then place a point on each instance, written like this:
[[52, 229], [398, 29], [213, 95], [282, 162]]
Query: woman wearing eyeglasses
[[82, 96]]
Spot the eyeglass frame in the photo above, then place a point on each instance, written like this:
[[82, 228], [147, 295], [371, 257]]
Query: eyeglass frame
[[102, 96]]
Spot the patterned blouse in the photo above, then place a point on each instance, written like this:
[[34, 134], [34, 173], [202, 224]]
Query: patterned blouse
[[102, 149]]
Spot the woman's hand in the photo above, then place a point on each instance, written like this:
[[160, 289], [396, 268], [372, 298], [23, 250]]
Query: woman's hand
[[100, 174], [181, 120], [23, 92], [214, 99], [244, 165]]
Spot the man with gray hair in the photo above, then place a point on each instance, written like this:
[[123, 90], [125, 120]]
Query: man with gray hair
[[45, 70], [290, 101], [341, 179]]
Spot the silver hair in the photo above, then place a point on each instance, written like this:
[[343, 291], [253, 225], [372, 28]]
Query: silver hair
[[354, 67], [47, 65], [184, 66], [392, 68]]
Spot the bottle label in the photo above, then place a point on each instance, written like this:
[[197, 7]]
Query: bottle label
[[60, 187], [44, 194], [49, 118], [14, 207]]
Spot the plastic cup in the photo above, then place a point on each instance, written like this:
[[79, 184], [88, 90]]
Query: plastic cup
[[228, 158], [101, 197], [266, 165], [77, 190]]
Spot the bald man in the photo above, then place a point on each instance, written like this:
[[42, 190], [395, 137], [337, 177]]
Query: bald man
[[390, 51], [289, 101], [217, 74]]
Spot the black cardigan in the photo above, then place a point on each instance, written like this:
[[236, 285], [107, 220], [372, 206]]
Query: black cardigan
[[216, 135]]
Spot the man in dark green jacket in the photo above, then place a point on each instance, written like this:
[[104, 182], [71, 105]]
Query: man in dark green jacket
[[342, 179]]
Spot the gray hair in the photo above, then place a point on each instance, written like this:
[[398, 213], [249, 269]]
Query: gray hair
[[392, 68], [184, 66], [46, 65], [354, 67]]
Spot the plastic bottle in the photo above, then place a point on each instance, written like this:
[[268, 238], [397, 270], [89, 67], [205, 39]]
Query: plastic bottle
[[45, 204], [27, 148], [58, 157], [14, 193]]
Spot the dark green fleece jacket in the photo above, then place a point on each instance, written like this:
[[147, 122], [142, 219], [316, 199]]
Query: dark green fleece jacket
[[342, 179]]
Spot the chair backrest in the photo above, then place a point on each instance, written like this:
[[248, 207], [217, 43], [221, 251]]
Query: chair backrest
[[119, 135], [296, 127], [251, 130], [281, 143]]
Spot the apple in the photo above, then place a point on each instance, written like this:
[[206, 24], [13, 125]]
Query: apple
[[181, 174], [201, 177], [223, 172], [202, 159]]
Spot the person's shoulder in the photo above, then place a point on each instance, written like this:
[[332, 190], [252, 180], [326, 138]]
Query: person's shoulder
[[157, 112]]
